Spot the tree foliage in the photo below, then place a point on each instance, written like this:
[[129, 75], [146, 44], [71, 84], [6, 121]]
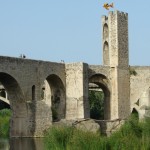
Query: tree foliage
[[96, 99]]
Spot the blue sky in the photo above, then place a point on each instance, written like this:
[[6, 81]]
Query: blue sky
[[69, 30]]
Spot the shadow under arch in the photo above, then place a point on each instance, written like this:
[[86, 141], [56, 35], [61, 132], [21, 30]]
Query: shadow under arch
[[17, 104], [4, 103], [53, 92], [103, 83]]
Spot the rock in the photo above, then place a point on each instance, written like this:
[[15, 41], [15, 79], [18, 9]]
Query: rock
[[87, 125]]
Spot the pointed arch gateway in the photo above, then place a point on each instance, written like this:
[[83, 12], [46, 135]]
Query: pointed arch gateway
[[100, 83]]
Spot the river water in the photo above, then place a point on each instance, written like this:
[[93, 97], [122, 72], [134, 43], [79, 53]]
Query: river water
[[22, 144]]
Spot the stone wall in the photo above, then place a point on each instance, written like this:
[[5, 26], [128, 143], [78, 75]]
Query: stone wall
[[118, 38], [139, 89], [123, 92], [76, 91], [120, 92], [98, 69]]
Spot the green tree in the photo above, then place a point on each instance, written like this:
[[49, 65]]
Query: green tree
[[96, 99]]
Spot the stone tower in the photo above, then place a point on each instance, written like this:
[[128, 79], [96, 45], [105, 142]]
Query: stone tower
[[115, 55], [115, 39]]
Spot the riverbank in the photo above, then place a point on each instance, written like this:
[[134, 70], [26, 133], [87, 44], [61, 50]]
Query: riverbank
[[132, 135]]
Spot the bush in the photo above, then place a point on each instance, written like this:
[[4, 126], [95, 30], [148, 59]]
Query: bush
[[96, 99], [58, 137], [4, 122], [132, 72], [69, 138]]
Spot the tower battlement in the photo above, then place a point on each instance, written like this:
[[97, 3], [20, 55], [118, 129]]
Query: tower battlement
[[104, 18], [119, 13]]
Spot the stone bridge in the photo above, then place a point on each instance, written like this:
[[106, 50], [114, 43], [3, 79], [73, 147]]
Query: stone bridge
[[23, 80], [38, 89]]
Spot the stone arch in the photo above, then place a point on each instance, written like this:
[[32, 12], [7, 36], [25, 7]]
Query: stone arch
[[105, 31], [14, 92], [17, 104], [103, 83], [53, 93]]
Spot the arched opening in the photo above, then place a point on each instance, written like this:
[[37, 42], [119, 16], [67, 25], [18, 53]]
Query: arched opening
[[99, 97], [4, 102], [135, 113], [106, 53], [16, 103], [3, 93], [33, 92], [96, 100], [105, 31], [53, 92], [106, 47], [5, 112]]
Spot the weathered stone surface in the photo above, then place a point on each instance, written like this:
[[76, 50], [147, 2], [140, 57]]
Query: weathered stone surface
[[110, 126], [140, 90], [87, 125], [81, 124], [115, 56]]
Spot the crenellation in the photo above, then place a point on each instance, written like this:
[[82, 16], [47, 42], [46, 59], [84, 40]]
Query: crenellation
[[123, 14], [111, 12], [104, 18]]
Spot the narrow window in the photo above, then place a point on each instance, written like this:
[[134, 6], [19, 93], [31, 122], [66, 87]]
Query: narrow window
[[105, 31], [33, 92], [106, 53]]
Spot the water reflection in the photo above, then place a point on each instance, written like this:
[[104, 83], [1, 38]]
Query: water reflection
[[22, 144], [4, 144]]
